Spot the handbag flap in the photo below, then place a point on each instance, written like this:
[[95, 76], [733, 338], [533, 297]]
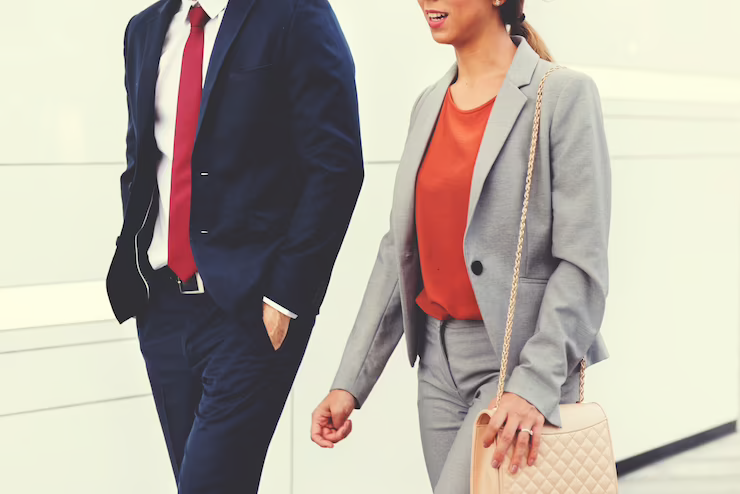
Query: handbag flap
[[576, 417]]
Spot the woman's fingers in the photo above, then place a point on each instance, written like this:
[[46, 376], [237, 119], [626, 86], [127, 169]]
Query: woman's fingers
[[516, 414], [521, 447], [494, 426], [336, 435], [330, 421], [505, 439], [326, 436], [317, 433], [322, 431], [536, 441]]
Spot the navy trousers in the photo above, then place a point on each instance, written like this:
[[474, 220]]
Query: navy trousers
[[219, 387]]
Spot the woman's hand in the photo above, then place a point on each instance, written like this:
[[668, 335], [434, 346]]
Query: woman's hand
[[512, 419], [330, 421]]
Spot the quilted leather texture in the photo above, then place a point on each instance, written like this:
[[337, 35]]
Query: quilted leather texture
[[580, 462]]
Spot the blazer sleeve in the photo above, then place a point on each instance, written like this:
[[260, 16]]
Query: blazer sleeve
[[379, 324], [325, 131], [128, 175], [572, 309]]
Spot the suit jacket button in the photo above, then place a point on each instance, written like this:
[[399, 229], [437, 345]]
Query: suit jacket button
[[477, 268]]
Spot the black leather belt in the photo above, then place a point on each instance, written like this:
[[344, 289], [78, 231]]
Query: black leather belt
[[193, 286]]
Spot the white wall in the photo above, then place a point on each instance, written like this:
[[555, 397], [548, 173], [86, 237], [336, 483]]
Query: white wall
[[76, 414]]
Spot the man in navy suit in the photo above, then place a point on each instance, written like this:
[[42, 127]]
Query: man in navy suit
[[244, 167]]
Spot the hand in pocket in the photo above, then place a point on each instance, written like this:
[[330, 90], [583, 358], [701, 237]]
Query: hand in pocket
[[276, 324]]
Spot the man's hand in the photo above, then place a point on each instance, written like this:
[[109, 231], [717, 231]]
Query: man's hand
[[277, 325], [510, 424], [330, 421]]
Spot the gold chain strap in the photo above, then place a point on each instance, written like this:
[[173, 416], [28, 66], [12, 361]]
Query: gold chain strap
[[519, 248]]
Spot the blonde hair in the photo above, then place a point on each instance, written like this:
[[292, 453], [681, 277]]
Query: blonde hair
[[512, 13]]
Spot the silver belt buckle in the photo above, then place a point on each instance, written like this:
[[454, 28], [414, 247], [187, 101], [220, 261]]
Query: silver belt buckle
[[200, 289]]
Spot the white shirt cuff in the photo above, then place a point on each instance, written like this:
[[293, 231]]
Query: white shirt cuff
[[279, 307]]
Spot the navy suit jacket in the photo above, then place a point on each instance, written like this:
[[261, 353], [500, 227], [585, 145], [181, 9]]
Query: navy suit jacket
[[277, 164]]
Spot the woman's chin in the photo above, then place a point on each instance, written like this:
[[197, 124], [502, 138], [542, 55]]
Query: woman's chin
[[442, 37]]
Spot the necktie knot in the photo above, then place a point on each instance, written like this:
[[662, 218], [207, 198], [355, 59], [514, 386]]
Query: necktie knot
[[198, 17]]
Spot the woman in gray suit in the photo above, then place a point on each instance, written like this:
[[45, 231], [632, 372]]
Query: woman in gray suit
[[444, 270]]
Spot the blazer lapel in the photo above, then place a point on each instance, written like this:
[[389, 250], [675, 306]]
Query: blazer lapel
[[509, 104], [413, 155], [156, 32], [234, 17]]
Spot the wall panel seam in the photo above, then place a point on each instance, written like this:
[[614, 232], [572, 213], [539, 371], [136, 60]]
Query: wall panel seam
[[67, 346], [75, 405]]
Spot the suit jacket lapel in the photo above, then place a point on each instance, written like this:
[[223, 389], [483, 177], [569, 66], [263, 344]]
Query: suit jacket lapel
[[156, 32], [506, 110], [509, 104], [234, 17], [413, 154]]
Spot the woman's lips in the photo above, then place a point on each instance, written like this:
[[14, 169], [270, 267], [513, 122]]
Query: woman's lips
[[436, 18]]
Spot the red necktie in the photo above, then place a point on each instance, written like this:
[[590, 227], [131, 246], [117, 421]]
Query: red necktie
[[180, 254]]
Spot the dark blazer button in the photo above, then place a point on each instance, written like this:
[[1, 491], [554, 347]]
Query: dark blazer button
[[477, 268]]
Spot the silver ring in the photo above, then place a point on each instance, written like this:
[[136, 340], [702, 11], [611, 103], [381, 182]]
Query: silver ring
[[528, 431]]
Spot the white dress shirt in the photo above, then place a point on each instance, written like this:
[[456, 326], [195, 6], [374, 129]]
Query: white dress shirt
[[165, 108]]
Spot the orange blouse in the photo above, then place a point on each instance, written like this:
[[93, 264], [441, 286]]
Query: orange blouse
[[442, 197]]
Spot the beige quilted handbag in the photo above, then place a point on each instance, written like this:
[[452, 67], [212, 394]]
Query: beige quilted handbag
[[575, 459]]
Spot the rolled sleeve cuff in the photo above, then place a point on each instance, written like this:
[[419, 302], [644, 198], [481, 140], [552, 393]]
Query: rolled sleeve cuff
[[279, 308], [526, 384]]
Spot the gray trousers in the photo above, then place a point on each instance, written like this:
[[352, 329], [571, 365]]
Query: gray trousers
[[458, 377]]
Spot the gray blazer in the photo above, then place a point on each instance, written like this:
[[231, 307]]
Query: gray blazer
[[564, 275]]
